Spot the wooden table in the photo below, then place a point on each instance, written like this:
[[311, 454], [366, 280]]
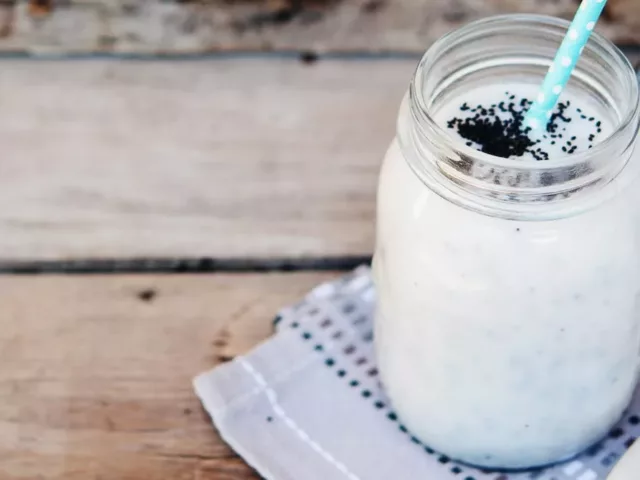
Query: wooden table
[[237, 166], [96, 371]]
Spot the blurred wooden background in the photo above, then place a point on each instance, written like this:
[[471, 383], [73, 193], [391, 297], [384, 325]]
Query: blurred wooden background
[[179, 27]]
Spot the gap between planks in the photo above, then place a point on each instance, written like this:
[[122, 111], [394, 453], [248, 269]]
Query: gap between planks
[[183, 265]]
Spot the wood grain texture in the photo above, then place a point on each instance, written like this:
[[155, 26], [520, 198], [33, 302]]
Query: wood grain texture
[[243, 157], [222, 158], [96, 371], [173, 27]]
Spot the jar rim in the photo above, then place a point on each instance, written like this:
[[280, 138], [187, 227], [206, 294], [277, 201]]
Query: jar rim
[[597, 40]]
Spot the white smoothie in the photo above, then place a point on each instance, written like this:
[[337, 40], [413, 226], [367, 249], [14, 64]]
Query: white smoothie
[[506, 343], [578, 121]]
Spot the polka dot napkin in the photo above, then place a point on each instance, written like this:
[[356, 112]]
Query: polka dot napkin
[[307, 404]]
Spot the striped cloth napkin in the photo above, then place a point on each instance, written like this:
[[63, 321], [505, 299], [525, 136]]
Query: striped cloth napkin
[[307, 404]]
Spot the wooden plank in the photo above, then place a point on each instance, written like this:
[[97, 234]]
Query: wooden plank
[[177, 27], [244, 157], [96, 371], [224, 158]]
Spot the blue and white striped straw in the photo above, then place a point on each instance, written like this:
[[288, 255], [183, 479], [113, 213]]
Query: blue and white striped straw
[[563, 64]]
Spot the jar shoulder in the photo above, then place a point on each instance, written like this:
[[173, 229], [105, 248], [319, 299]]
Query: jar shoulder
[[417, 226]]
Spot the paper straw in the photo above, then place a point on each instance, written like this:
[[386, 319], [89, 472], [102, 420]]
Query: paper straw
[[563, 64]]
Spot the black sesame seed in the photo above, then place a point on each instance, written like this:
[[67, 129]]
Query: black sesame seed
[[493, 134], [498, 129]]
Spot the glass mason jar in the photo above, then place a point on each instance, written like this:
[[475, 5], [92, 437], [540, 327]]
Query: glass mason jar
[[507, 324]]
